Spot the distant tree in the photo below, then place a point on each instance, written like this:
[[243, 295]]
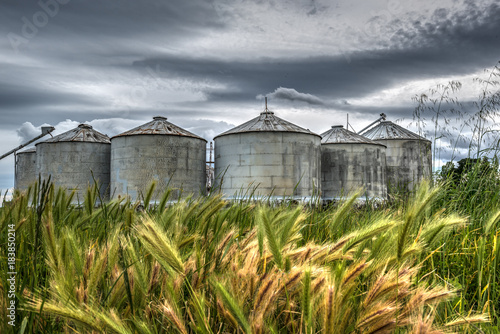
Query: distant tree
[[469, 169]]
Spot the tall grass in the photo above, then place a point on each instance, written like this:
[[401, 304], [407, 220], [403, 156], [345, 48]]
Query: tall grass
[[468, 259], [207, 265]]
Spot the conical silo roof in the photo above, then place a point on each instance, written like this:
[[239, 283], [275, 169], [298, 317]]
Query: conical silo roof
[[82, 133], [338, 135], [387, 130], [28, 150], [159, 126], [267, 122]]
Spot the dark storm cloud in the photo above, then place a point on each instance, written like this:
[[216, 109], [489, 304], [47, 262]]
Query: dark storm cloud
[[83, 23], [473, 27], [84, 42], [14, 97], [246, 79], [330, 77], [444, 44], [21, 102]]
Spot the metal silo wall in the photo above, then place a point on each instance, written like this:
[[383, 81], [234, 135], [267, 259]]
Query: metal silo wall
[[280, 163], [348, 167], [408, 162], [71, 165], [174, 161], [25, 170]]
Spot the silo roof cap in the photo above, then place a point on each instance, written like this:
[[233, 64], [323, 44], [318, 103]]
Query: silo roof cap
[[28, 150], [390, 130], [82, 133], [267, 122], [159, 126], [338, 135]]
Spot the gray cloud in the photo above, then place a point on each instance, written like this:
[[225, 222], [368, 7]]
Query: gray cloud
[[292, 95], [94, 25], [27, 131]]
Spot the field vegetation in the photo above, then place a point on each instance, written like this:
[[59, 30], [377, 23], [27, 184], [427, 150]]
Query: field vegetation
[[418, 265]]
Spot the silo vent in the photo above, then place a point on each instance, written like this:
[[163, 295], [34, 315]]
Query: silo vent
[[337, 126], [267, 112], [159, 118], [85, 126]]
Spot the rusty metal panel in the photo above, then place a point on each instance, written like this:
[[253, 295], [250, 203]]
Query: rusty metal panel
[[408, 155], [82, 133], [338, 135], [347, 167], [159, 126], [267, 122], [408, 162]]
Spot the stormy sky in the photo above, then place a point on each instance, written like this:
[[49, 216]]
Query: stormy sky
[[208, 64]]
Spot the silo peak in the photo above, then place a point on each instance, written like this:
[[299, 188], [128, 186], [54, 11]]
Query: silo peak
[[159, 126], [338, 135], [82, 133], [267, 122], [387, 130]]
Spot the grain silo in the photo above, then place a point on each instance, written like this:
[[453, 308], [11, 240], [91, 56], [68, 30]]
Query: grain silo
[[280, 158], [408, 155], [158, 151], [350, 162], [74, 159], [25, 171]]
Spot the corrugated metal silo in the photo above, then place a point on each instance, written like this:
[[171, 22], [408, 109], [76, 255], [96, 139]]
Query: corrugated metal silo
[[408, 155], [25, 169], [279, 157], [349, 162], [159, 151], [72, 157]]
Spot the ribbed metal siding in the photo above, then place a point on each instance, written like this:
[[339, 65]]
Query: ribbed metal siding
[[408, 155], [281, 162], [74, 159], [350, 162], [25, 169], [158, 151]]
